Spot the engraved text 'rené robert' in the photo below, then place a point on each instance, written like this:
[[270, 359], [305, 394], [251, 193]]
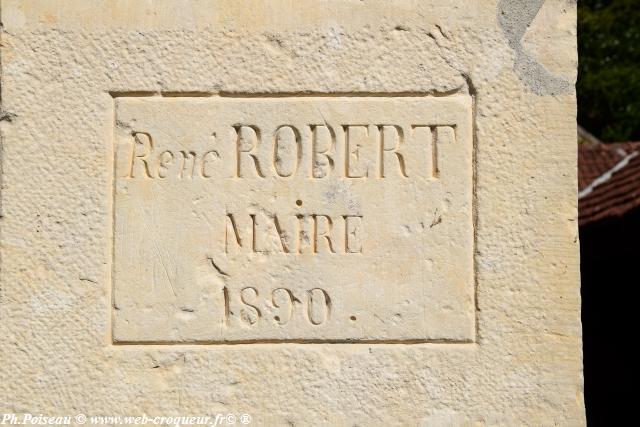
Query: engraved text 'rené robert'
[[384, 142]]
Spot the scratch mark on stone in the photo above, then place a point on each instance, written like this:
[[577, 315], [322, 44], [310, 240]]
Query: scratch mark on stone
[[437, 219], [218, 269], [164, 268], [6, 116]]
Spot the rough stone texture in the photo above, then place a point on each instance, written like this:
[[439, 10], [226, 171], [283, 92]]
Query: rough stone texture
[[64, 62]]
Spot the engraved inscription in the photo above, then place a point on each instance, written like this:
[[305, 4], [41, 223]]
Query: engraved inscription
[[293, 219], [297, 234], [250, 307], [369, 150]]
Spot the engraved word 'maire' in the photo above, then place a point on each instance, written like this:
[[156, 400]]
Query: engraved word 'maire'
[[315, 151], [296, 234]]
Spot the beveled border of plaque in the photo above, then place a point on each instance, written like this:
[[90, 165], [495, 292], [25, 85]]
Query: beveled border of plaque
[[114, 95]]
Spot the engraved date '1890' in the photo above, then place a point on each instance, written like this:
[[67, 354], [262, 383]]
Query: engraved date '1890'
[[278, 307]]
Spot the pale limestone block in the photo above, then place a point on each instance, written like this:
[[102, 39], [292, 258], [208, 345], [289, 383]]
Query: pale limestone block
[[313, 212]]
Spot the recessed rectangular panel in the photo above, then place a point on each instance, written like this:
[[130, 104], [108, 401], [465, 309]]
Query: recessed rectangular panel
[[302, 219]]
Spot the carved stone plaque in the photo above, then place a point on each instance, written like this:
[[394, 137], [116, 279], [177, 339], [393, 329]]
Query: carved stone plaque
[[293, 218]]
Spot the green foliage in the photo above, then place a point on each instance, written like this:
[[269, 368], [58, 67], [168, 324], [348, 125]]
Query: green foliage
[[609, 68]]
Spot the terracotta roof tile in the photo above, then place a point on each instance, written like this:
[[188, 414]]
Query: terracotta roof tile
[[609, 180], [596, 159]]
